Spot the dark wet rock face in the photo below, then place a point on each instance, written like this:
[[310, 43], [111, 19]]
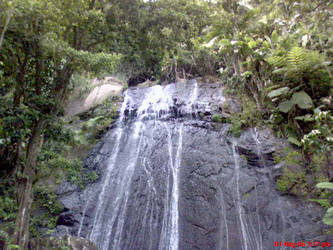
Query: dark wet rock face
[[171, 179], [66, 219]]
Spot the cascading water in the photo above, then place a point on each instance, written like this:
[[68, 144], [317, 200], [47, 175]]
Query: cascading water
[[114, 196], [171, 179], [238, 200]]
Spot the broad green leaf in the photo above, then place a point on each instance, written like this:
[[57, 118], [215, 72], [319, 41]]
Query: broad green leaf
[[317, 110], [275, 37], [328, 218], [210, 43], [286, 106], [326, 203], [302, 100], [294, 141], [306, 118], [268, 39], [14, 247], [328, 185], [252, 44], [280, 71], [225, 42], [277, 61], [278, 92]]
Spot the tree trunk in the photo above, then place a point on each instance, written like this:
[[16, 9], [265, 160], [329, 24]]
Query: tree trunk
[[25, 181], [5, 28], [235, 63], [254, 91], [329, 164], [19, 89]]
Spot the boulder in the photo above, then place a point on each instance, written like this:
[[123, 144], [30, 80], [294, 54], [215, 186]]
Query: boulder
[[66, 242]]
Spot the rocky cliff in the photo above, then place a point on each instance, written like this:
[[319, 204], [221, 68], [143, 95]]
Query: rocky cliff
[[170, 178]]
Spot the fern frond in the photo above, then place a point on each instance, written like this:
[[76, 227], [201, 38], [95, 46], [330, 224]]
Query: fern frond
[[297, 57], [277, 61], [297, 61]]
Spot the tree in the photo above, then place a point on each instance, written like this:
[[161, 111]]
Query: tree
[[46, 42], [7, 6]]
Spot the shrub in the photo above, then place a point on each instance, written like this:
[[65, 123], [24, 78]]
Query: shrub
[[217, 118]]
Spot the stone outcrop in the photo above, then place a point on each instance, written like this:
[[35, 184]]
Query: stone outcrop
[[101, 90], [66, 242], [227, 197]]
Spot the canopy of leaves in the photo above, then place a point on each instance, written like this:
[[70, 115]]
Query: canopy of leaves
[[278, 53]]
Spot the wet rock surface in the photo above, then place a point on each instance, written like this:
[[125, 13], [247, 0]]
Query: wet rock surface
[[224, 186], [67, 242], [66, 219]]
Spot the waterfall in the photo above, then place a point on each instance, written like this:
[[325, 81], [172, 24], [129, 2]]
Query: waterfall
[[240, 211], [121, 187], [174, 239], [171, 179], [131, 143]]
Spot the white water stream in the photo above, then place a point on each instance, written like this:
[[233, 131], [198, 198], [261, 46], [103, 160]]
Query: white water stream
[[240, 210], [110, 215]]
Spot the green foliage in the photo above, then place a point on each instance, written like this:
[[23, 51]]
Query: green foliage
[[298, 181], [65, 169], [325, 203], [276, 56], [48, 200], [299, 97], [217, 118], [292, 182], [44, 220], [7, 238], [57, 156], [294, 141], [72, 168], [57, 163], [76, 174], [283, 65], [8, 208], [296, 62], [236, 128], [8, 204], [12, 246], [278, 92], [248, 117], [97, 122], [302, 100], [47, 209], [328, 185], [286, 106], [80, 86], [328, 218], [45, 43], [3, 235], [293, 178], [165, 40], [320, 138]]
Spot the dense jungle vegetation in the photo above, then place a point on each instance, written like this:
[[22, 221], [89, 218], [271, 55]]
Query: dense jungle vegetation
[[275, 56]]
